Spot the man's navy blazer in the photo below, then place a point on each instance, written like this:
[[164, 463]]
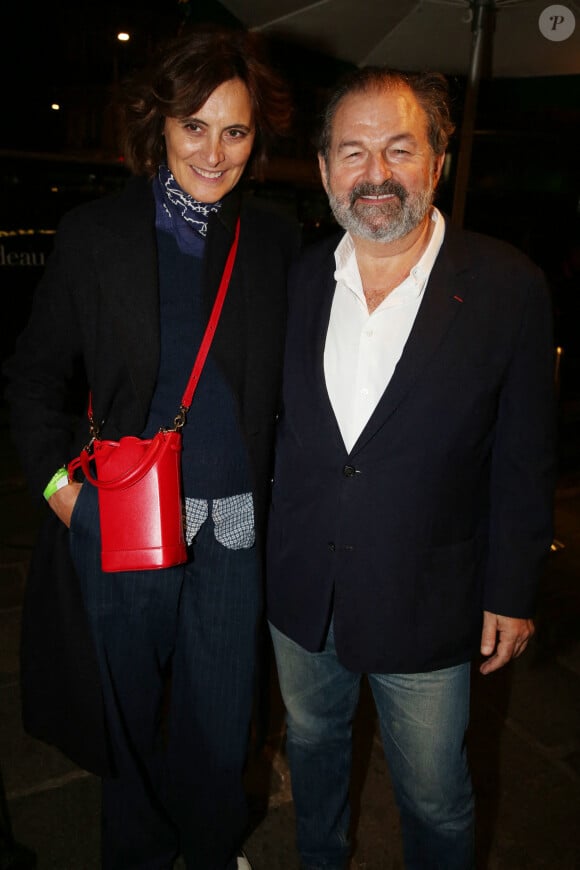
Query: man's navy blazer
[[443, 508]]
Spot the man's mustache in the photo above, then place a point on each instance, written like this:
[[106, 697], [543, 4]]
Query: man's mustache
[[387, 188]]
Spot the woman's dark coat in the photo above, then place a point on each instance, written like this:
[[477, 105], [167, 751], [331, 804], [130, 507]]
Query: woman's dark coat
[[97, 309]]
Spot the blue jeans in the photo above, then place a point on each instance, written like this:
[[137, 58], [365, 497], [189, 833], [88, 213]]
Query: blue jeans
[[423, 719], [176, 650]]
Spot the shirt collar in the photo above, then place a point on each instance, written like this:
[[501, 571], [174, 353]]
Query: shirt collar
[[347, 269]]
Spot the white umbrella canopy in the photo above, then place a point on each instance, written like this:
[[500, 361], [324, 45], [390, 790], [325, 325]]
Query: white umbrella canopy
[[422, 34], [475, 38]]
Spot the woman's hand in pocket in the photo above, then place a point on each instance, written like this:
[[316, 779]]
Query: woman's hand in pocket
[[64, 500]]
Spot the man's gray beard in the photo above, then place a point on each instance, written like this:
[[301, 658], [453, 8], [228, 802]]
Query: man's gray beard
[[381, 223]]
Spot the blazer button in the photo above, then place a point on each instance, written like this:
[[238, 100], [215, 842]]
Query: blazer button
[[349, 471], [331, 546]]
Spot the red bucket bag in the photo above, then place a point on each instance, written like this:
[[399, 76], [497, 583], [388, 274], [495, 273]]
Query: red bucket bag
[[141, 506]]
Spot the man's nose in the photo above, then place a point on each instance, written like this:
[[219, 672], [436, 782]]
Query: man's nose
[[379, 169]]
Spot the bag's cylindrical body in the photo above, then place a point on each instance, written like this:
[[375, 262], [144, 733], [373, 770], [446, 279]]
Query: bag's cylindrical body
[[140, 502]]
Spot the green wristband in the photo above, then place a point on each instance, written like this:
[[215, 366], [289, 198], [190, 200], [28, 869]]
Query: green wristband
[[56, 482]]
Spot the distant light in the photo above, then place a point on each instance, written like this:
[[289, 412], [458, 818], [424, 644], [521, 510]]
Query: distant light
[[123, 37], [55, 107]]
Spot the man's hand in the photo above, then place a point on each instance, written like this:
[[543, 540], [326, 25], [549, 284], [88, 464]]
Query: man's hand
[[64, 500], [503, 638]]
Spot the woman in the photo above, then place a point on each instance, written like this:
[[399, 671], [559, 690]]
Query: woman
[[164, 716]]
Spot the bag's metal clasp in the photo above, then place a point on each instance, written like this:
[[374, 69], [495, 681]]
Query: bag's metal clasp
[[179, 420], [94, 429]]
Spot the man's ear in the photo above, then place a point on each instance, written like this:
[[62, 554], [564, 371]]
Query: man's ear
[[322, 166], [438, 168]]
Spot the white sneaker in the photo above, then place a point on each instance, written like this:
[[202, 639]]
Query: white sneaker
[[243, 863]]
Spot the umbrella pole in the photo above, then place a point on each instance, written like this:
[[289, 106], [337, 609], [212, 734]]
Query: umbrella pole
[[482, 26]]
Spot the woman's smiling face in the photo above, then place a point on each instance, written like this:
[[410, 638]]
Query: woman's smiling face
[[208, 151]]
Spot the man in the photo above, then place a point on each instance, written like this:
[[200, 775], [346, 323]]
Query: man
[[412, 499]]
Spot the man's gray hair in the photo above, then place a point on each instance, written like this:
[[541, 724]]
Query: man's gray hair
[[430, 89]]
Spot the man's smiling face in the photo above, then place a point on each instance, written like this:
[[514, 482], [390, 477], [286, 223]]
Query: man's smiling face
[[381, 173]]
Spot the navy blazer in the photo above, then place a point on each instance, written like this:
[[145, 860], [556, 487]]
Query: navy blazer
[[443, 508], [97, 308]]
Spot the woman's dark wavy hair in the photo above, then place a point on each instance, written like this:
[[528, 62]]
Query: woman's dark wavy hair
[[430, 89], [183, 74]]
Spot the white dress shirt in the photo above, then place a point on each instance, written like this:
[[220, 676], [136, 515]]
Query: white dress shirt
[[362, 349]]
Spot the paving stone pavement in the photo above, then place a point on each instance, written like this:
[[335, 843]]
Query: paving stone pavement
[[524, 740]]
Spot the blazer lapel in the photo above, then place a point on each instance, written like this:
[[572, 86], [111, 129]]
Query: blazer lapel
[[441, 304], [322, 295], [129, 281], [219, 241]]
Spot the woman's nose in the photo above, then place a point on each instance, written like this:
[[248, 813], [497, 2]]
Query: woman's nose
[[213, 150]]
